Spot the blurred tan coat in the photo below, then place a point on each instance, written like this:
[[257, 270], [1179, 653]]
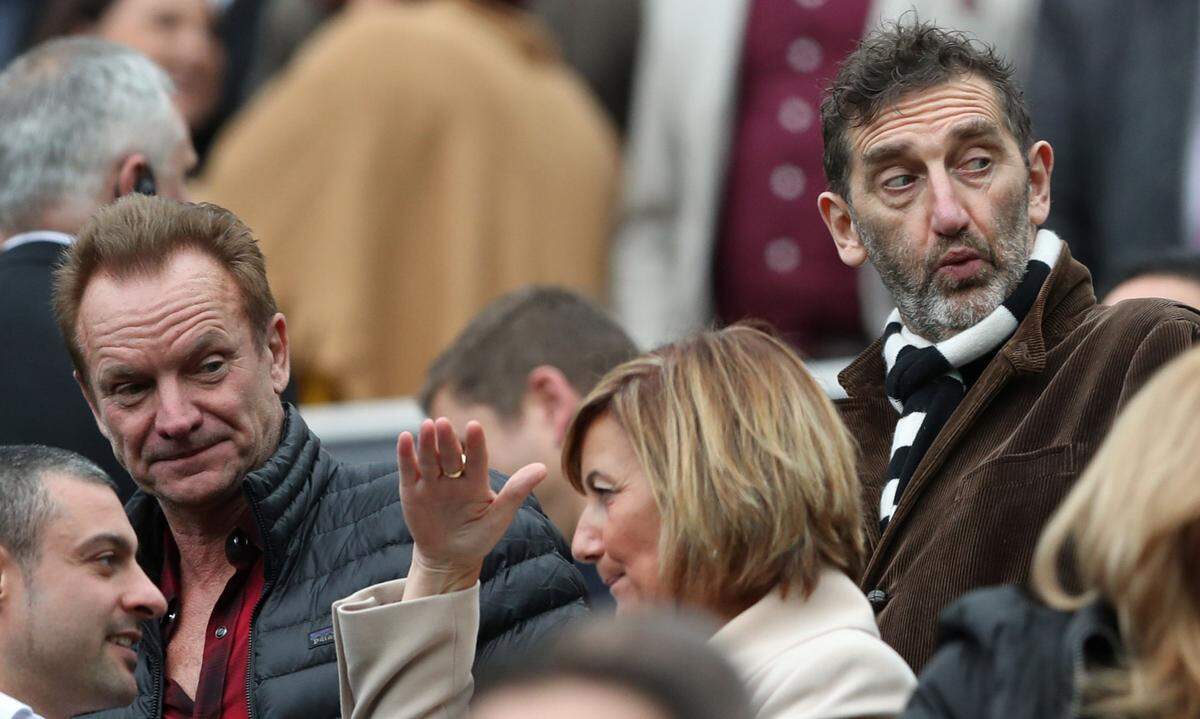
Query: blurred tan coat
[[414, 162]]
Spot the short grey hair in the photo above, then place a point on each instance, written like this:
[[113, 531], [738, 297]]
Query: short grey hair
[[27, 506], [70, 110]]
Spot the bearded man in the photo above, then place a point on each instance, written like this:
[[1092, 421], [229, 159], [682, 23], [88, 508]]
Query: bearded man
[[997, 375]]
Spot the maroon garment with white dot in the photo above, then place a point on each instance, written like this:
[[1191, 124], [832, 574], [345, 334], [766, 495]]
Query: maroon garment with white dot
[[775, 259]]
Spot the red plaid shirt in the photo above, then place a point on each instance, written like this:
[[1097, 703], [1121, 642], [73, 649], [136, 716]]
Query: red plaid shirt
[[222, 691]]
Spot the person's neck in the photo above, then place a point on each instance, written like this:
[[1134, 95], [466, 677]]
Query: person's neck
[[201, 538], [26, 693]]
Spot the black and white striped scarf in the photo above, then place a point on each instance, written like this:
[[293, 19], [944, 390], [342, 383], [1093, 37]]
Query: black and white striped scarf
[[925, 381]]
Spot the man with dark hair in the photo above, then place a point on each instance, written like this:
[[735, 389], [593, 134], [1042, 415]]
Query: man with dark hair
[[71, 594], [1171, 275], [998, 374], [520, 369], [247, 526]]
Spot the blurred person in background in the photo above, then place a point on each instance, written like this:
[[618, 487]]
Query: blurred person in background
[[718, 479], [1115, 92], [83, 121], [597, 38], [71, 593], [723, 166], [415, 161], [997, 373], [520, 369], [179, 35], [1119, 637], [1172, 276], [637, 666]]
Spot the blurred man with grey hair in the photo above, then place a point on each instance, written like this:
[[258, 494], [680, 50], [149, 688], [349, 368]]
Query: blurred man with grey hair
[[72, 595], [82, 122]]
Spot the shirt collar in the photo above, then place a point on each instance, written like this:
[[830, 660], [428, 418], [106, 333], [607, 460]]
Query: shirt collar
[[25, 238], [11, 708]]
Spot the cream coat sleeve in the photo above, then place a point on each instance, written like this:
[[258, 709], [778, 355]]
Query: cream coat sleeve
[[405, 660]]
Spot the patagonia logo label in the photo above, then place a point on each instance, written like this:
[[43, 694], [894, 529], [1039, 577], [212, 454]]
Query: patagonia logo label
[[320, 638]]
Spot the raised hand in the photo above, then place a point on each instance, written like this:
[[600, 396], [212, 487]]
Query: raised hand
[[454, 516]]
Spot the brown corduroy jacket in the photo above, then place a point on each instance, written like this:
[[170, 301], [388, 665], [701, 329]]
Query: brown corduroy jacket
[[972, 512]]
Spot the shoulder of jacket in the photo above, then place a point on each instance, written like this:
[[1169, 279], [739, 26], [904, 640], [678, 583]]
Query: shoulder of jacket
[[995, 616]]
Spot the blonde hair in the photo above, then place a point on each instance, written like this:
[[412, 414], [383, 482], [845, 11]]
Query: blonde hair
[[749, 464], [1131, 529]]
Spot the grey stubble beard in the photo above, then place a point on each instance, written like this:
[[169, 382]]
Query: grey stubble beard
[[928, 309]]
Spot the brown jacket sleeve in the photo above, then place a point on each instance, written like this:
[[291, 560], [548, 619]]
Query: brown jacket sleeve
[[1165, 342]]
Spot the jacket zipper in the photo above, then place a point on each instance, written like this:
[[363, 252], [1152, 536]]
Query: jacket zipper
[[257, 605], [159, 677]]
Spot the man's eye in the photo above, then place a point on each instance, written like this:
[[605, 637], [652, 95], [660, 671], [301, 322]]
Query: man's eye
[[977, 164], [212, 366], [107, 562], [127, 390], [898, 182]]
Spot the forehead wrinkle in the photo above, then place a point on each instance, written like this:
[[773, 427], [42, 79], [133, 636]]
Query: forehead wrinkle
[[933, 109], [174, 315]]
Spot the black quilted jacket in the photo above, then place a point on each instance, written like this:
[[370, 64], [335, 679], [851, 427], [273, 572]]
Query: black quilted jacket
[[329, 530]]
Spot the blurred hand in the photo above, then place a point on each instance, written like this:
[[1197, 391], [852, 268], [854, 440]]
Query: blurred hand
[[454, 516]]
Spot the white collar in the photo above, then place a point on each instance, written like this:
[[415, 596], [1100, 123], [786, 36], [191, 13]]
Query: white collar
[[13, 709], [25, 238]]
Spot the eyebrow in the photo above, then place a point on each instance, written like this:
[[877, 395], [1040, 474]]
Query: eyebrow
[[973, 128], [205, 343], [110, 539]]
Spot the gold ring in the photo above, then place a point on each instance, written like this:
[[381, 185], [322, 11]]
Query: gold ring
[[461, 469]]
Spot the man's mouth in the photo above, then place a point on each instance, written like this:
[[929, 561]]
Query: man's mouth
[[960, 264], [126, 640]]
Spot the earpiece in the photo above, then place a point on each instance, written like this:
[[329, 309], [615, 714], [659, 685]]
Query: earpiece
[[144, 184]]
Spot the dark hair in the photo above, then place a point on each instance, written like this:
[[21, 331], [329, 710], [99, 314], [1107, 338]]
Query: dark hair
[[66, 17], [897, 59], [139, 234], [26, 505], [489, 361], [661, 658], [1182, 264]]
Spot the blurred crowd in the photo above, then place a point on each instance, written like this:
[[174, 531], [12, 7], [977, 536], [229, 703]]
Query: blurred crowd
[[597, 241]]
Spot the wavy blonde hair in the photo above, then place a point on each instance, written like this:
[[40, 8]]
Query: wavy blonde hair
[[1131, 529], [751, 468]]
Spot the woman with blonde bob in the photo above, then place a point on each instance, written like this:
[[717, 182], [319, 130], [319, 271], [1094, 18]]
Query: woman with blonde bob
[[720, 478], [1122, 637]]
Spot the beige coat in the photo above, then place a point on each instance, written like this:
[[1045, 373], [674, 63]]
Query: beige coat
[[819, 657], [405, 660], [415, 161]]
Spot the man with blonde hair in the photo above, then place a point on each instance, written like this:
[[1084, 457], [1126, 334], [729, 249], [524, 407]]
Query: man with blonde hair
[[247, 526]]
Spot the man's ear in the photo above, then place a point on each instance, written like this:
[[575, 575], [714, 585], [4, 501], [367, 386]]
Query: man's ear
[[8, 576], [1041, 166], [835, 210], [277, 345], [554, 396], [133, 174], [91, 402]]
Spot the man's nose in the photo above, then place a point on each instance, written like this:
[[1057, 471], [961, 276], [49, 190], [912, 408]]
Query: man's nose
[[143, 598], [587, 545], [948, 216], [178, 415]]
